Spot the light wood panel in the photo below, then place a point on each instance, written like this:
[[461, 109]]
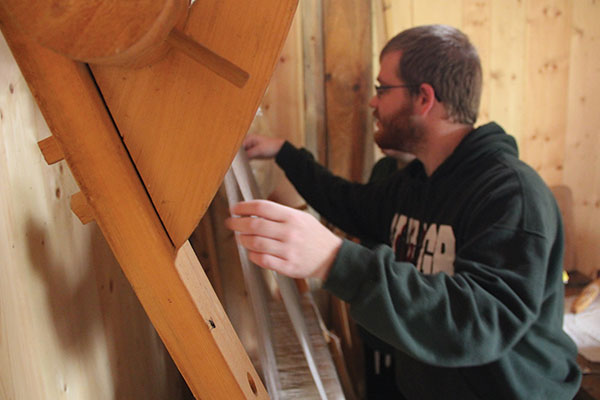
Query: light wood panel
[[70, 325], [505, 83], [477, 24], [398, 15], [437, 12], [547, 58], [582, 163], [180, 120], [314, 78], [348, 82]]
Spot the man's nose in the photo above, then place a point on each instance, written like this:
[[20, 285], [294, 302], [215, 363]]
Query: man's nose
[[373, 101]]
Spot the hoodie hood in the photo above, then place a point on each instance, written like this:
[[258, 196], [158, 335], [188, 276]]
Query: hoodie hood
[[486, 141]]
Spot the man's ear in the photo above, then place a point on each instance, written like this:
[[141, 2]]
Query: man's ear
[[426, 99]]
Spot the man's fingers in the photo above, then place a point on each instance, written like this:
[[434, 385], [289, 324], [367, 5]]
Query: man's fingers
[[269, 261], [261, 244], [264, 209], [256, 226]]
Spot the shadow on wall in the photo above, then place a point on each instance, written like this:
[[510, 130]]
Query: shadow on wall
[[101, 302]]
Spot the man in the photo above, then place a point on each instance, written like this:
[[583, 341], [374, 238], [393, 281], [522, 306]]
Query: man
[[466, 282]]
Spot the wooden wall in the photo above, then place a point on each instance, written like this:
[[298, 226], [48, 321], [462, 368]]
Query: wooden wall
[[70, 324], [541, 82]]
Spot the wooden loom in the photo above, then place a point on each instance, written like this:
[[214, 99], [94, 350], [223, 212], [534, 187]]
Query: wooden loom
[[148, 134]]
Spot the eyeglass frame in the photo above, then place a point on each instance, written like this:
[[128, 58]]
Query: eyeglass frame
[[379, 89]]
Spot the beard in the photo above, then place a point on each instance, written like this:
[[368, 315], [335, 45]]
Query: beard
[[398, 132]]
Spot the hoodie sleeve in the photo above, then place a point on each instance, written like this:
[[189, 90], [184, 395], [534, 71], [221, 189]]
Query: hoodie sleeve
[[473, 316], [352, 207]]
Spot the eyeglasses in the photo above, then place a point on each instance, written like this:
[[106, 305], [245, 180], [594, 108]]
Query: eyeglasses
[[381, 89]]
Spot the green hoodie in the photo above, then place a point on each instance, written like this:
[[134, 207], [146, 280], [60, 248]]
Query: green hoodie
[[466, 282]]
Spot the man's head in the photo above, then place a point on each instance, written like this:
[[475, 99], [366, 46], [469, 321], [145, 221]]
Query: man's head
[[444, 58]]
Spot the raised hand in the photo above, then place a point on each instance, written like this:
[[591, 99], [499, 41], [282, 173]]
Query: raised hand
[[284, 239], [258, 146]]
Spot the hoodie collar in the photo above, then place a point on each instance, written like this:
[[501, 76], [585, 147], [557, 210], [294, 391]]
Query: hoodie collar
[[485, 140]]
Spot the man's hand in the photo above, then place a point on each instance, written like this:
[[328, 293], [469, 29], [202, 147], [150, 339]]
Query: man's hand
[[258, 146], [283, 239]]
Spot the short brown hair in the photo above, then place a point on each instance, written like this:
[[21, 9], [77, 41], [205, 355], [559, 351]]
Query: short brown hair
[[443, 57]]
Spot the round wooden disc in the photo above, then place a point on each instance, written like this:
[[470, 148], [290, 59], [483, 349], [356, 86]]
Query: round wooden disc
[[99, 31]]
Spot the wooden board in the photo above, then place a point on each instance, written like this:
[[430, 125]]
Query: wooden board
[[547, 55], [505, 82], [348, 80], [582, 163], [314, 79], [182, 123], [477, 24]]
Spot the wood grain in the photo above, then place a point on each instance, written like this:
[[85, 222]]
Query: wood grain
[[477, 24], [348, 80], [547, 57], [505, 82], [582, 163], [102, 32], [179, 120], [314, 79]]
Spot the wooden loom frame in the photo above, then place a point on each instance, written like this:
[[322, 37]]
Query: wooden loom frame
[[169, 282]]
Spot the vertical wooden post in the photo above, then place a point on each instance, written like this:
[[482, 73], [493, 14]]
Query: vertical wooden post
[[348, 79], [314, 79]]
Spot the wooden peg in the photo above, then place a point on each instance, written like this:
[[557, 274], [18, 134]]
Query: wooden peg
[[81, 208], [219, 65], [51, 150]]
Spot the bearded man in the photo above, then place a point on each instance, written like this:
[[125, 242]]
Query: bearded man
[[464, 281]]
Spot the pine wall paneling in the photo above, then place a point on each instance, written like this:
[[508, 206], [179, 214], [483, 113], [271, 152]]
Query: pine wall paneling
[[70, 324], [348, 81], [582, 164]]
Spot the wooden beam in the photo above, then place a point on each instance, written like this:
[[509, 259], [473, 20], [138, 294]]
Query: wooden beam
[[348, 81], [314, 79], [211, 358]]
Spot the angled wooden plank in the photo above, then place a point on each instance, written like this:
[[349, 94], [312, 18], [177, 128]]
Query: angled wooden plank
[[209, 356], [181, 122]]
